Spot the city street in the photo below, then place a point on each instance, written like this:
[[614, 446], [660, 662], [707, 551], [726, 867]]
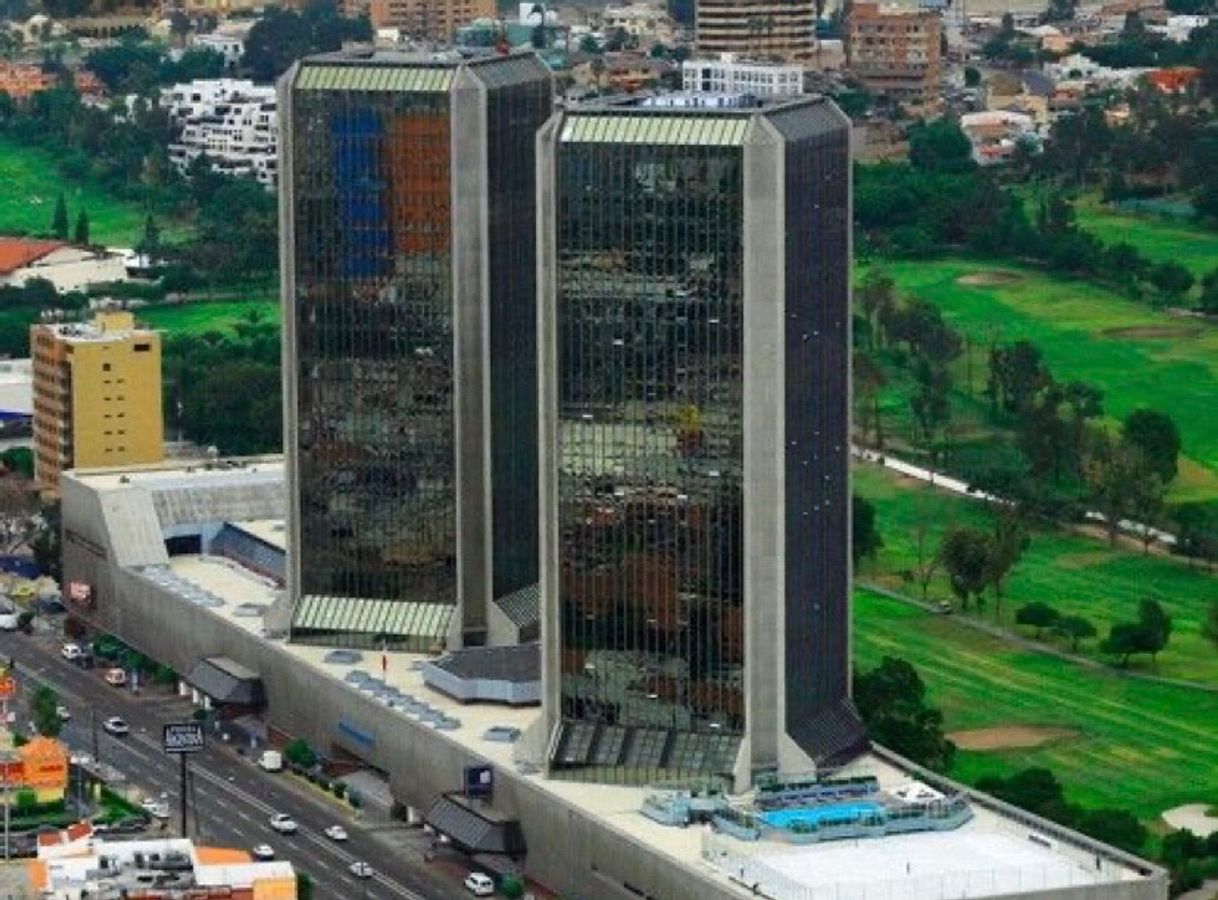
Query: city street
[[232, 799]]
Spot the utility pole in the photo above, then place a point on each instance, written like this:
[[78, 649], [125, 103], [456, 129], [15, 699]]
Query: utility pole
[[96, 737], [182, 761]]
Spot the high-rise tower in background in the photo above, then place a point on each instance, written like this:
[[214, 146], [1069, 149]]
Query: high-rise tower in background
[[759, 29], [695, 268], [409, 286]]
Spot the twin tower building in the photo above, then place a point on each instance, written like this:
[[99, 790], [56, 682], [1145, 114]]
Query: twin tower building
[[578, 378]]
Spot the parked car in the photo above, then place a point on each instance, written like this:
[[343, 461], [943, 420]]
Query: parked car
[[115, 726], [63, 713], [71, 652], [479, 884], [336, 833], [116, 677], [361, 869], [263, 852], [271, 761], [284, 823]]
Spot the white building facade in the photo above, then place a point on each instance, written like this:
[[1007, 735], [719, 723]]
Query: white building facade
[[233, 122], [727, 76]]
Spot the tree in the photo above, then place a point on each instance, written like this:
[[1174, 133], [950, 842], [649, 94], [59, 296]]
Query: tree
[[1008, 544], [1149, 634], [1037, 790], [298, 752], [926, 560], [1155, 434], [1037, 615], [1117, 827], [891, 699], [940, 146], [1209, 284], [1074, 629], [865, 537], [1017, 374], [44, 709], [1120, 483], [972, 77], [59, 221], [869, 381], [81, 235], [282, 36], [1196, 537], [876, 296], [1156, 626], [1172, 280], [965, 553], [1209, 628], [150, 241], [46, 543], [304, 886], [1123, 641]]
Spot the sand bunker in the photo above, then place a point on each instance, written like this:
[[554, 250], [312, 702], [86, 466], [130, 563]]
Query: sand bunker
[[1009, 738], [1152, 331], [988, 279], [1193, 817]]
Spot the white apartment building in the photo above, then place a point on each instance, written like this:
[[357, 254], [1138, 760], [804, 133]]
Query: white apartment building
[[643, 21], [727, 76], [228, 39], [234, 122]]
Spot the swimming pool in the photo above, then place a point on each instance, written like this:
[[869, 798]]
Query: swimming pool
[[815, 815]]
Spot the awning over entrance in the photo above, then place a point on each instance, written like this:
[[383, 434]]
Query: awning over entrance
[[475, 829], [226, 681]]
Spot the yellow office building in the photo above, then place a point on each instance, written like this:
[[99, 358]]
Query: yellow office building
[[97, 396]]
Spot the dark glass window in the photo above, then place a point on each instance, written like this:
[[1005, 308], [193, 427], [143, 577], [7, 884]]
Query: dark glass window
[[650, 296]]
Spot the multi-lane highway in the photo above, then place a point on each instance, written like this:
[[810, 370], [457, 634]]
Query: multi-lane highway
[[232, 800]]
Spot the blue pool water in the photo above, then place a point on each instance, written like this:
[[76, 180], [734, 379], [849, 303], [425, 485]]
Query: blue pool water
[[785, 818]]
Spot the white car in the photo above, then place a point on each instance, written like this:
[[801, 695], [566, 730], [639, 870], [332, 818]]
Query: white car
[[361, 869], [115, 726], [284, 823], [71, 652], [479, 884], [63, 713], [263, 852], [336, 833]]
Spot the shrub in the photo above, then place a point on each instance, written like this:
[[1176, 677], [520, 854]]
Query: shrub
[[25, 621], [511, 887], [354, 798], [25, 800], [339, 788], [299, 752]]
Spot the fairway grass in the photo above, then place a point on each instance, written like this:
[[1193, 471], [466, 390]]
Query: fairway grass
[[1075, 574], [1138, 356], [1138, 746], [202, 317], [31, 184], [1159, 239]]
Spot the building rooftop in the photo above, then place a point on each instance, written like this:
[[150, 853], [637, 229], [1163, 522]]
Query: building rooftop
[[77, 861], [269, 531], [17, 253], [992, 854], [1000, 851], [737, 103], [105, 326]]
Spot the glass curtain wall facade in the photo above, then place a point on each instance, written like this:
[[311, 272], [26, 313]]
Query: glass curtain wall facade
[[696, 575], [378, 288], [649, 281]]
